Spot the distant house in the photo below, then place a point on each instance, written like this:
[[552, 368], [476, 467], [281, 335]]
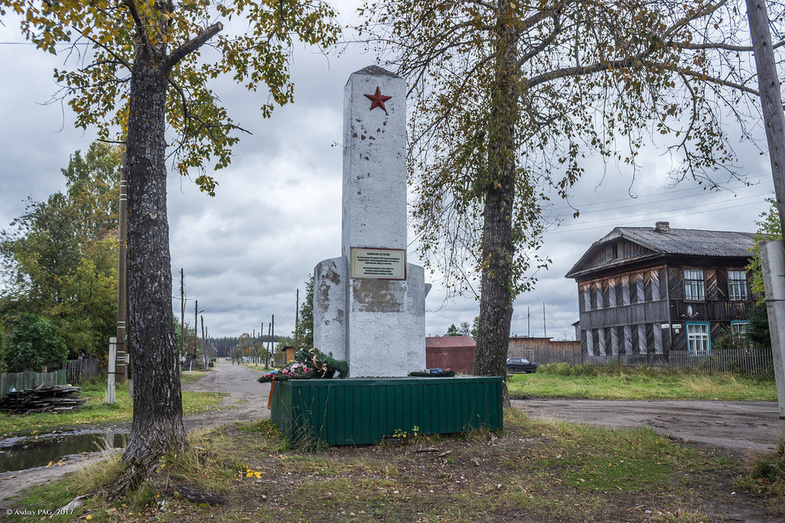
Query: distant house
[[288, 353], [651, 291], [450, 352]]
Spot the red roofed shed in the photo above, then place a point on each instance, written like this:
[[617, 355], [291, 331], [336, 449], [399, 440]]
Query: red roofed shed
[[450, 352]]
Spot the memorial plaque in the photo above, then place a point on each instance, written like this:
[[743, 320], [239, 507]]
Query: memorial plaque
[[378, 264]]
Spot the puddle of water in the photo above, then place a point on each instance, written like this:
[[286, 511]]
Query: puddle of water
[[31, 452]]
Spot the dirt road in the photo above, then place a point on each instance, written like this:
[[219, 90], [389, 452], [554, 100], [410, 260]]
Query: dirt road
[[735, 427], [247, 398]]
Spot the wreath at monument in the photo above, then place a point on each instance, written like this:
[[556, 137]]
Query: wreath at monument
[[433, 373], [308, 364]]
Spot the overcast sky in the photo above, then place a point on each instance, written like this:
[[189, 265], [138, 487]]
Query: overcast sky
[[277, 211]]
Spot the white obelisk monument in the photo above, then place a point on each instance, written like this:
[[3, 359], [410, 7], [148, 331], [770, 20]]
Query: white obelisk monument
[[369, 303]]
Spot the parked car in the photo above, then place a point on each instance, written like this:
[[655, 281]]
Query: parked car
[[521, 365]]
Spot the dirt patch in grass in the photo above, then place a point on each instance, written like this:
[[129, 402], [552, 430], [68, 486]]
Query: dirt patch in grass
[[534, 471]]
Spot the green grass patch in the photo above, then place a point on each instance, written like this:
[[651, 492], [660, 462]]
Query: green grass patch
[[534, 470], [633, 383], [190, 376], [97, 412]]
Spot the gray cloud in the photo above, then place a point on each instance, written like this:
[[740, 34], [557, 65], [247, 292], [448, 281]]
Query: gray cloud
[[278, 207]]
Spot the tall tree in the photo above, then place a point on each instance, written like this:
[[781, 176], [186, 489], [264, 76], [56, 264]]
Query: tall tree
[[60, 255], [142, 71], [511, 96]]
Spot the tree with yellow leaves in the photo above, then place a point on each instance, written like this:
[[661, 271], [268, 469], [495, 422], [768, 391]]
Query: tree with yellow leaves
[[138, 68], [513, 99]]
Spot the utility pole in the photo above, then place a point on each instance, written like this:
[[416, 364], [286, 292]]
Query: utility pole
[[544, 328], [122, 276], [528, 322], [204, 349], [774, 120], [770, 97], [182, 313], [196, 327], [269, 338], [297, 320]]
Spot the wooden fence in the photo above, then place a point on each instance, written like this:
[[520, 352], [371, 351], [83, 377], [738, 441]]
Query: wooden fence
[[30, 380], [83, 367], [750, 362], [74, 371]]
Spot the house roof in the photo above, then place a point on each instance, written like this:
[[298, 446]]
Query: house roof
[[450, 341], [662, 240]]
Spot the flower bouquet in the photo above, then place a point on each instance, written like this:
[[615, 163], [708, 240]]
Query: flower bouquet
[[433, 373], [308, 363]]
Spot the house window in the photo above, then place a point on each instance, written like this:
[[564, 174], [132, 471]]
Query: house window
[[587, 298], [739, 327], [737, 286], [698, 338], [694, 285]]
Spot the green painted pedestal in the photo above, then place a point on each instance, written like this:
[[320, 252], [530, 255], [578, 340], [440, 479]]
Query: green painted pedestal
[[359, 411]]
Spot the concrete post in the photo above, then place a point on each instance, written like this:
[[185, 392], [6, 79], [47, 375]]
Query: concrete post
[[773, 263], [111, 369]]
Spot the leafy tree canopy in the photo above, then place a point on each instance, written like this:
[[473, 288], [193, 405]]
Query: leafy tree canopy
[[33, 345], [583, 79], [60, 256], [768, 229]]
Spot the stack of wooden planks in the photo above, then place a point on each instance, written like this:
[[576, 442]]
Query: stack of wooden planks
[[44, 398]]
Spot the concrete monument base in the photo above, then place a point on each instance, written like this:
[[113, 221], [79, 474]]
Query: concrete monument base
[[376, 326], [364, 411]]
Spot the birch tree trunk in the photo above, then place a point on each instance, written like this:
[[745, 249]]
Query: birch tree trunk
[[498, 247]]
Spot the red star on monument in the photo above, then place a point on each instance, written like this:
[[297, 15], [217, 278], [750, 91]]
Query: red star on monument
[[377, 100]]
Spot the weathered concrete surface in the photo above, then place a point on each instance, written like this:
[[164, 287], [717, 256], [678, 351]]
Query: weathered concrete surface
[[377, 325], [374, 162], [329, 306]]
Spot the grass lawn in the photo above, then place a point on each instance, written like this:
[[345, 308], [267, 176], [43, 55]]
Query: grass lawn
[[630, 383], [97, 412], [533, 471]]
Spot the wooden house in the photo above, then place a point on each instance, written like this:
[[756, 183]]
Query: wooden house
[[648, 292]]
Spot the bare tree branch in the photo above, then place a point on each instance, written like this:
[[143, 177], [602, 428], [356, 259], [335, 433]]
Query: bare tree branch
[[191, 46]]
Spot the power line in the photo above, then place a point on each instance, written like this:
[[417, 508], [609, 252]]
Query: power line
[[641, 218]]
